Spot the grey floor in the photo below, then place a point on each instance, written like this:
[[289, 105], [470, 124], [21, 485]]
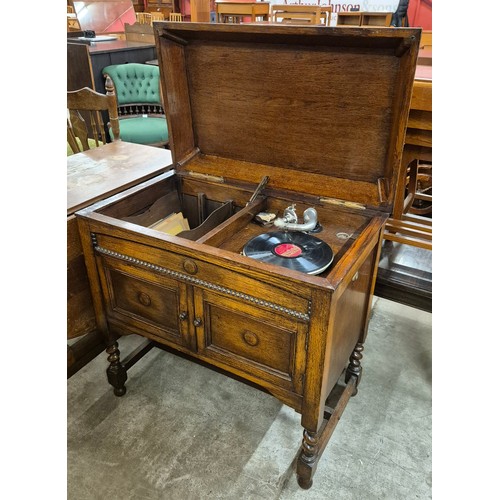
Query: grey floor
[[185, 432]]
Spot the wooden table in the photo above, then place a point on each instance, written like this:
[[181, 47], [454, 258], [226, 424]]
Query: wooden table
[[253, 9], [95, 175]]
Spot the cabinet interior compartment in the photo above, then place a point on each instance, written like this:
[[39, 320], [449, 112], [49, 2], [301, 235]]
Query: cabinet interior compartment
[[205, 208]]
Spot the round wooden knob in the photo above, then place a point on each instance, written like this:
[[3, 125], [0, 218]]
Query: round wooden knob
[[144, 299], [190, 266], [250, 338]]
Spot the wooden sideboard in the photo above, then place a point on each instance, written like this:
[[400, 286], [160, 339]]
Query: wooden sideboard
[[95, 175]]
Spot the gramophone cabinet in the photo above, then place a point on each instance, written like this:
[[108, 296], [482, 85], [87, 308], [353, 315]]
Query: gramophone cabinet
[[320, 114]]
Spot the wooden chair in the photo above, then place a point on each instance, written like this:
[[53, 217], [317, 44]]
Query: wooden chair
[[411, 224], [157, 16], [86, 121], [175, 17], [143, 17], [140, 106]]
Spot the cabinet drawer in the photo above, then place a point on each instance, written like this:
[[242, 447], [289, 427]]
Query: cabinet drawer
[[144, 301], [259, 343]]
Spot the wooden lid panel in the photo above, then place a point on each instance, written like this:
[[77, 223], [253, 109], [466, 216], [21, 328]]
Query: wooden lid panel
[[314, 100]]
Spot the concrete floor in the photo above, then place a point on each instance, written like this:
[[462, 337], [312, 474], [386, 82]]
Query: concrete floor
[[185, 432]]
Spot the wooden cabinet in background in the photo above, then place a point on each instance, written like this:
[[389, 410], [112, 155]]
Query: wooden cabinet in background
[[86, 62], [200, 11], [163, 6]]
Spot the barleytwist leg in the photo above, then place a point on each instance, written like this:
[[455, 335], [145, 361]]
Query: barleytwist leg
[[308, 459], [354, 368], [117, 375]]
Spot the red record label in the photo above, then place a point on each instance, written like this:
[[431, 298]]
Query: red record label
[[287, 250]]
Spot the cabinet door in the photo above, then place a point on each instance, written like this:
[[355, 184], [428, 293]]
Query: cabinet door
[[144, 302], [265, 345]]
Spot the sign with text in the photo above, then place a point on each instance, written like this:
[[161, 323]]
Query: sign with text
[[362, 5]]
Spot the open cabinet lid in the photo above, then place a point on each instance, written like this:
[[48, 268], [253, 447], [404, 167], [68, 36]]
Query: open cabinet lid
[[321, 110]]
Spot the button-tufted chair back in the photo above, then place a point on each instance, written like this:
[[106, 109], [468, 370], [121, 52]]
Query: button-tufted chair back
[[135, 83], [140, 107]]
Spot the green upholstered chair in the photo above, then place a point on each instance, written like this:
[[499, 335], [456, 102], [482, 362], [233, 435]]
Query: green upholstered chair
[[140, 107], [88, 111]]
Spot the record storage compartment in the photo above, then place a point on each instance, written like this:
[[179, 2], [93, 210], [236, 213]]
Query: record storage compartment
[[297, 336]]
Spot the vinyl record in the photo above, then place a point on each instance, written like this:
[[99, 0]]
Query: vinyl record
[[292, 249]]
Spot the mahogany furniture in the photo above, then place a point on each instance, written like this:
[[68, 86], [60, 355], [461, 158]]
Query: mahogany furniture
[[163, 6], [226, 10], [260, 120], [94, 175]]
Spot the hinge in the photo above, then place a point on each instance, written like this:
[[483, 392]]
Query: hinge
[[205, 177], [342, 203]]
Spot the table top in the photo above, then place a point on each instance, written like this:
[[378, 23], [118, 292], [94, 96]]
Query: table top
[[104, 171], [117, 45]]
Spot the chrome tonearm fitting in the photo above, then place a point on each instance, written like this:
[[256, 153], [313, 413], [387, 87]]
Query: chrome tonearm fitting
[[289, 221]]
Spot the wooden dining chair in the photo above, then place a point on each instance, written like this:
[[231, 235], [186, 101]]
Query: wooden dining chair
[[175, 16], [157, 16], [143, 17], [88, 112]]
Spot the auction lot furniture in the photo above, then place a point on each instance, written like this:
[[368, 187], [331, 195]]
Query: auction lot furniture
[[226, 10], [95, 175], [263, 120], [302, 14], [358, 18], [86, 62]]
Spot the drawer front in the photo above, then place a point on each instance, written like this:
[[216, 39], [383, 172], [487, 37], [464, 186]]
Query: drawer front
[[252, 340], [272, 297], [144, 302]]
